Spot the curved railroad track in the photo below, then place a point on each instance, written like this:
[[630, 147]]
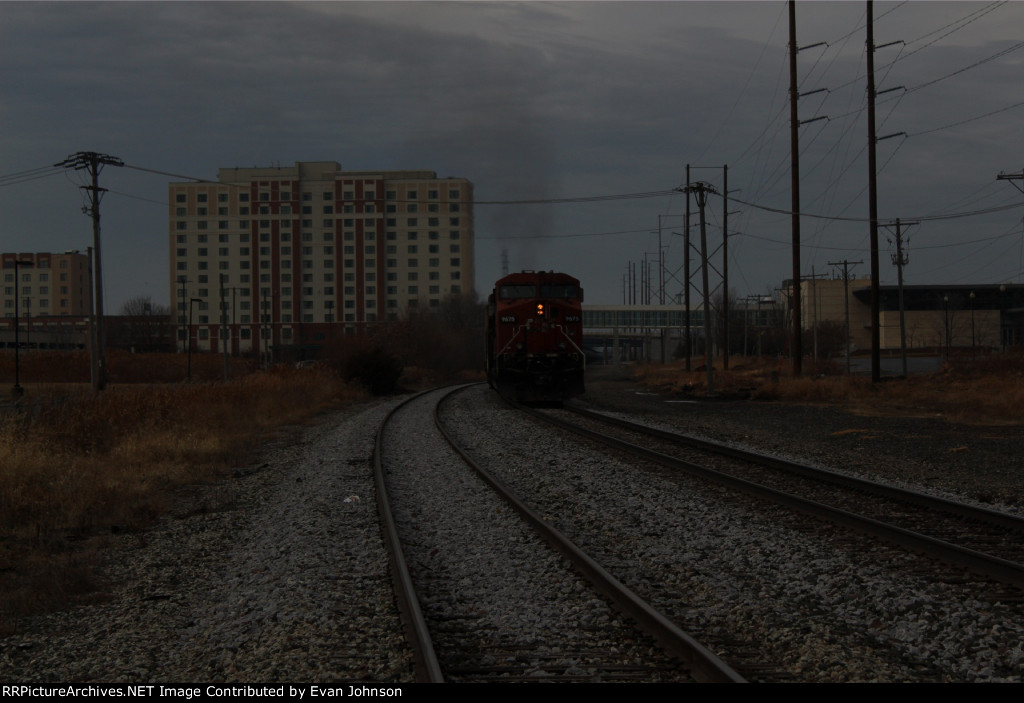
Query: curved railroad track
[[985, 541], [785, 597], [483, 599]]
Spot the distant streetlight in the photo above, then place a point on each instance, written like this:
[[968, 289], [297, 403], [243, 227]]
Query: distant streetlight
[[188, 334], [972, 321], [18, 390], [945, 301]]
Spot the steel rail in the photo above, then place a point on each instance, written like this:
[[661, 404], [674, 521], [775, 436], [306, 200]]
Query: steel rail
[[426, 665], [704, 664], [1003, 570], [971, 512]]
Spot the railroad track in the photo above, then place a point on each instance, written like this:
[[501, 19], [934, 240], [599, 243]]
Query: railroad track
[[984, 541], [484, 600], [786, 597]]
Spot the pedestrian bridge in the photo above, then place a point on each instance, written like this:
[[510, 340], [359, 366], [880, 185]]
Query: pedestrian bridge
[[636, 318]]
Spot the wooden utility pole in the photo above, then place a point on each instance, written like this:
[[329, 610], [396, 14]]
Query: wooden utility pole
[[900, 259], [1012, 177], [846, 301], [686, 267], [93, 163], [794, 139], [701, 191], [876, 361], [873, 139], [725, 267]]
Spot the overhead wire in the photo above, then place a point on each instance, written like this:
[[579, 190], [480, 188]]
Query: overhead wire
[[739, 96], [33, 174]]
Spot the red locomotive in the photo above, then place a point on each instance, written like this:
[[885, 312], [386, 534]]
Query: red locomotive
[[535, 336]]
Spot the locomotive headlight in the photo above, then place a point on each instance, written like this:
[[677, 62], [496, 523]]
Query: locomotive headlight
[[540, 309]]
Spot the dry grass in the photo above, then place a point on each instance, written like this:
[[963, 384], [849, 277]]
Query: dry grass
[[985, 391], [75, 464]]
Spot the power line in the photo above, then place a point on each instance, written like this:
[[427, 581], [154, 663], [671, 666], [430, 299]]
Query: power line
[[534, 201], [918, 248], [20, 177], [963, 122], [929, 218]]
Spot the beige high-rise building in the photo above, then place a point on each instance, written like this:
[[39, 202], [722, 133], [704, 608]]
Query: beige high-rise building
[[299, 255], [48, 285]]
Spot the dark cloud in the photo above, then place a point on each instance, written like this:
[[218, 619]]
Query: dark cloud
[[528, 100]]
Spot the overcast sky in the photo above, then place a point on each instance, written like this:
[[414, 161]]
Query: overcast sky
[[533, 101]]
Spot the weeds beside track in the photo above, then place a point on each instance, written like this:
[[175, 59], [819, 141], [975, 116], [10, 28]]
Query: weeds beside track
[[75, 464]]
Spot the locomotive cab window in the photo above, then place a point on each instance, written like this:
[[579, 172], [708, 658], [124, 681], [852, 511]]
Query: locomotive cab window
[[517, 292], [560, 291]]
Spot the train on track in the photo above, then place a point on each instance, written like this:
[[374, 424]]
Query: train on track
[[534, 337]]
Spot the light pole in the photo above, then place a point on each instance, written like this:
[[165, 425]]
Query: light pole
[[972, 323], [945, 302], [18, 390], [188, 334]]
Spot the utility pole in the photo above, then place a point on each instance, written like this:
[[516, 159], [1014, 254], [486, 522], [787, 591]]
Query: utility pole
[[876, 361], [794, 145], [725, 253], [900, 259], [725, 267], [701, 191], [93, 163], [1012, 177], [873, 139], [794, 141], [686, 267], [814, 308], [846, 301]]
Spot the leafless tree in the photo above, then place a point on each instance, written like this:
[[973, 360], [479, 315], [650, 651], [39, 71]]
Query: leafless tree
[[142, 305]]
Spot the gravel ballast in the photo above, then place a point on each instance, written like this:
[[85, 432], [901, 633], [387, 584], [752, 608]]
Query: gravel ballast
[[277, 573]]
